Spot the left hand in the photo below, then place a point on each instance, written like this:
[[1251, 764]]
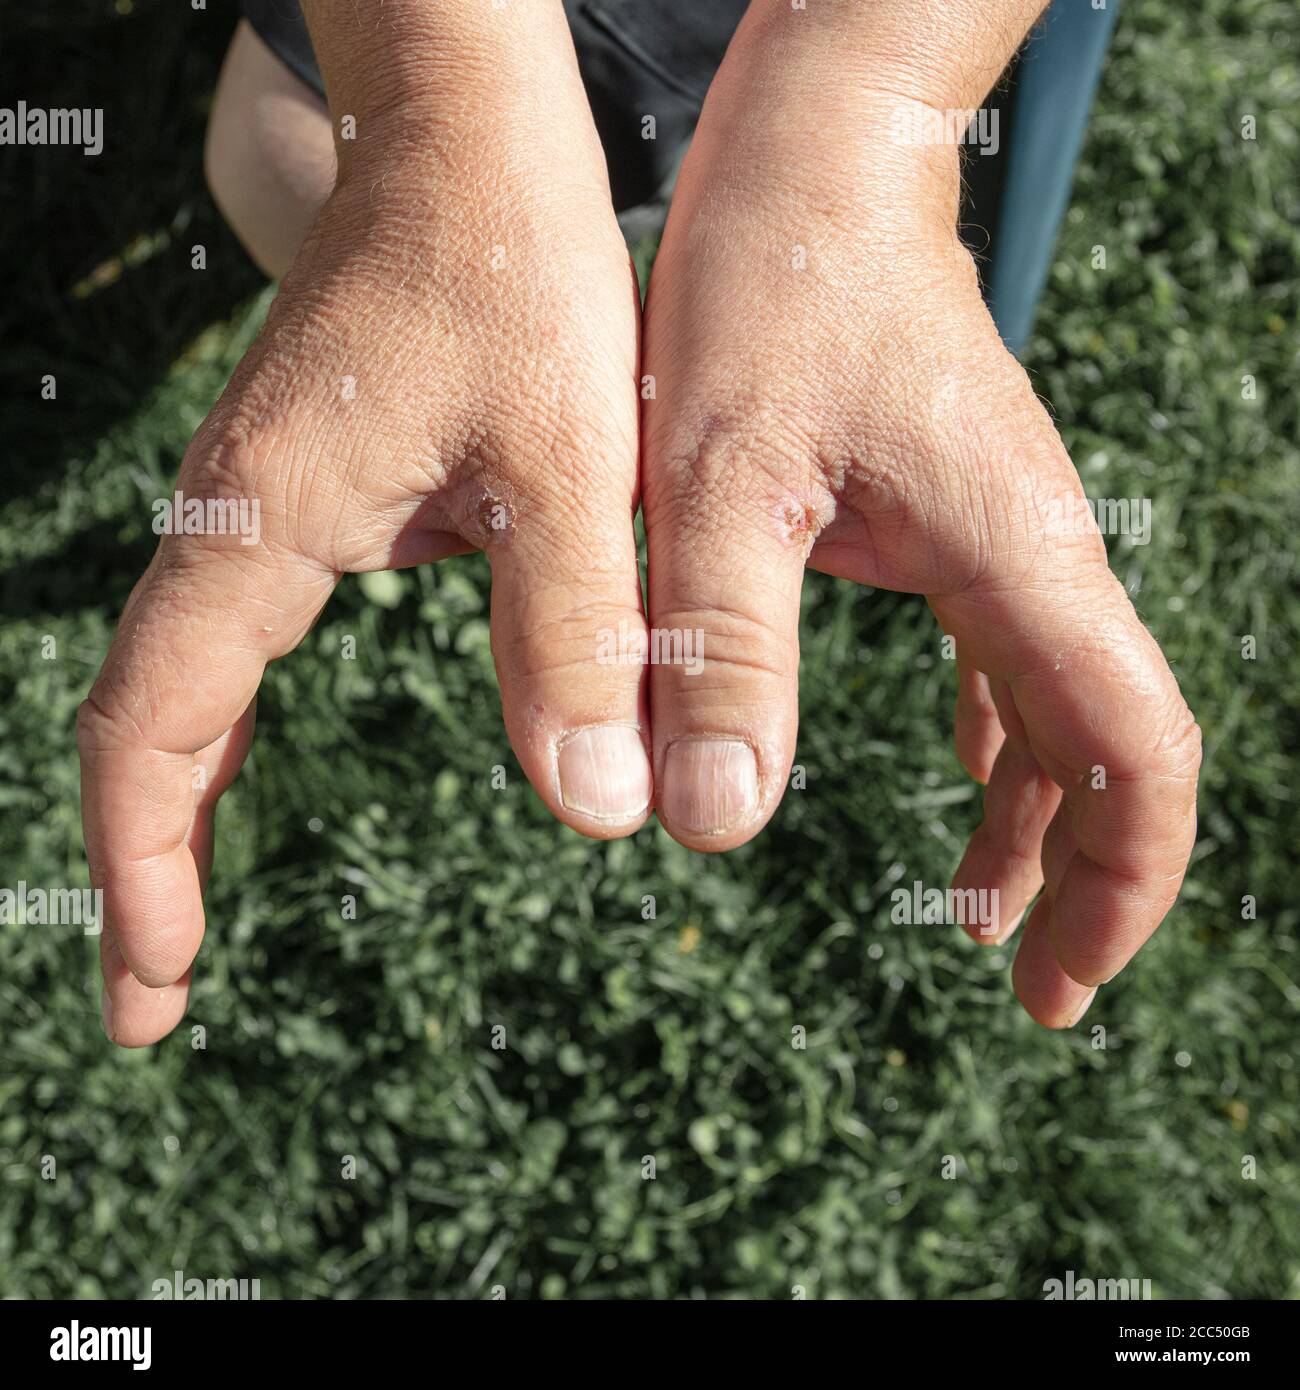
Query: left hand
[[830, 389]]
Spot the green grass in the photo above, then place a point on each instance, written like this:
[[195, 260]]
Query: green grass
[[775, 1167]]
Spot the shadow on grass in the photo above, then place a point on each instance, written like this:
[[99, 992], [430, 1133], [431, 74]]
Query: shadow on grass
[[101, 293]]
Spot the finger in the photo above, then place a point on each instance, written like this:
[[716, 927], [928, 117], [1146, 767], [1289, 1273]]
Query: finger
[[1105, 719], [1049, 995], [1059, 848], [568, 635], [1004, 854], [183, 668], [729, 530], [134, 1014], [215, 768], [977, 730]]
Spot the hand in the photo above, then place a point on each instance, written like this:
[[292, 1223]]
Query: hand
[[450, 364], [830, 389]]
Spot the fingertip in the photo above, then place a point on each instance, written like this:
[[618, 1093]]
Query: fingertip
[[155, 909], [158, 959], [1100, 919], [979, 768], [1085, 1005], [1061, 1018], [604, 780], [135, 1016], [1081, 969], [1049, 996], [995, 933], [710, 797], [159, 979], [977, 747], [1056, 1014]]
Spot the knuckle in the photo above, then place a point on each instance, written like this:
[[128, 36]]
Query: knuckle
[[104, 722], [1179, 749], [998, 474], [556, 633], [247, 487], [94, 725], [742, 452], [225, 457], [735, 643]]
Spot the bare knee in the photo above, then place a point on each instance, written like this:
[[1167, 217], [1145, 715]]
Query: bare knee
[[269, 153]]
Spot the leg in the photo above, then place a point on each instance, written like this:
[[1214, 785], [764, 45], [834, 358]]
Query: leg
[[270, 152]]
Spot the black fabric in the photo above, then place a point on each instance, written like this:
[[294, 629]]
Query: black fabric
[[643, 58], [656, 58], [984, 176], [282, 28], [638, 58]]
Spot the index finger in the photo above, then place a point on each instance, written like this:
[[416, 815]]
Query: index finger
[[1105, 719]]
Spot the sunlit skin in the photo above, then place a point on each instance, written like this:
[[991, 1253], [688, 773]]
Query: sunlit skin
[[828, 390]]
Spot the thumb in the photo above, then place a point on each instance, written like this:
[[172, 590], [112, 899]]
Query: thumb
[[1094, 708]]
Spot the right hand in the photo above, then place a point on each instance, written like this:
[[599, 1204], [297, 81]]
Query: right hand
[[852, 408]]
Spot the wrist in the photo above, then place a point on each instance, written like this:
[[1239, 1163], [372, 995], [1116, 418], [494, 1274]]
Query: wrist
[[456, 82], [945, 53], [800, 137]]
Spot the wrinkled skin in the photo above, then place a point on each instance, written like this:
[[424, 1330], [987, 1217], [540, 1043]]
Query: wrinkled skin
[[452, 364], [831, 390]]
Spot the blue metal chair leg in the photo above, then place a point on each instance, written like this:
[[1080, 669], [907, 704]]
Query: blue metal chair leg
[[1058, 77]]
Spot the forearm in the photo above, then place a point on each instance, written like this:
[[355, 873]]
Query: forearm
[[945, 53], [835, 108], [438, 76]]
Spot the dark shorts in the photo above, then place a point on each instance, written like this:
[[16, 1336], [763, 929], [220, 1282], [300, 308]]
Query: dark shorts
[[657, 57], [637, 57]]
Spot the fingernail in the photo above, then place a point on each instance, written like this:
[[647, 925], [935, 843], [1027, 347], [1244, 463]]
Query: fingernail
[[1083, 1008], [604, 773], [710, 784], [106, 1014]]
